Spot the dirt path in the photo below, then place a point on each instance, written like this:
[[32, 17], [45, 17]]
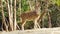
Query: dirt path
[[36, 31]]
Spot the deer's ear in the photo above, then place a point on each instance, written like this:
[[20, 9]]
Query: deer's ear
[[37, 3]]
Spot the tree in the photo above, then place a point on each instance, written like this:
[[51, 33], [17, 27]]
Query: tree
[[10, 15], [3, 17], [15, 23], [49, 20]]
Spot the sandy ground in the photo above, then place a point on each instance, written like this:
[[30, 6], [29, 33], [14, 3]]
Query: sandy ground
[[35, 31]]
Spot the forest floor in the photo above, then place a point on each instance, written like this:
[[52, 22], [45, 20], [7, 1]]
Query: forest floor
[[35, 31]]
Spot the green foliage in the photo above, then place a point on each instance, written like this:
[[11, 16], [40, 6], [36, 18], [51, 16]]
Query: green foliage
[[56, 2], [54, 15], [29, 25], [25, 5]]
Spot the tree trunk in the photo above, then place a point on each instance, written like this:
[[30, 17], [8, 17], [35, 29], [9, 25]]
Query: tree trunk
[[30, 5], [10, 16], [20, 7], [49, 18], [43, 22], [15, 24], [3, 17], [11, 11]]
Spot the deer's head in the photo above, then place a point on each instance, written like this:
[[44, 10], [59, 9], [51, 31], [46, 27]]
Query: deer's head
[[37, 7]]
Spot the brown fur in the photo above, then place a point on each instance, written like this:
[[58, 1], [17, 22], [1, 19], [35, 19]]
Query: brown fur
[[29, 15], [32, 15]]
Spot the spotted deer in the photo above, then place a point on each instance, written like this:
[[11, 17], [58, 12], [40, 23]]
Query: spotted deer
[[31, 16]]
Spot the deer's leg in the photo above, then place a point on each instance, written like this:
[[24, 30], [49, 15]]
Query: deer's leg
[[35, 24], [38, 25], [23, 23]]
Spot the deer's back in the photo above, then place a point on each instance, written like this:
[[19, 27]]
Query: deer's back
[[29, 15]]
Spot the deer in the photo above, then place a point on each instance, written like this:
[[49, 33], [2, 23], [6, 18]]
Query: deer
[[31, 16]]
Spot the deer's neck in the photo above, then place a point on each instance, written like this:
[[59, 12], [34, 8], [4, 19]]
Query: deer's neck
[[37, 10]]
